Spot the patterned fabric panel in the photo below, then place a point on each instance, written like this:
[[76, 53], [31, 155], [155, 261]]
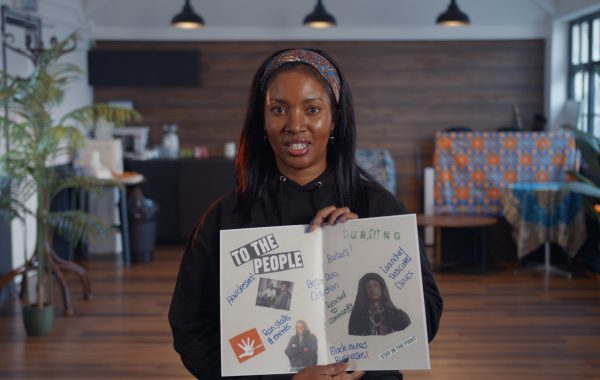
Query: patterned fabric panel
[[543, 212], [472, 168], [379, 164]]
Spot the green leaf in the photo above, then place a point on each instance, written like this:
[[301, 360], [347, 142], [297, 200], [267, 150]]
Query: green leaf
[[13, 197], [589, 146], [88, 116], [587, 189], [76, 225]]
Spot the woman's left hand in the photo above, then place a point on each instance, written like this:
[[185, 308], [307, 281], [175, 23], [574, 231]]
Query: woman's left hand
[[332, 215]]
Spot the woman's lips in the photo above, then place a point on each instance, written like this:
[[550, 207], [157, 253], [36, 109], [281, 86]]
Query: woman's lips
[[298, 148]]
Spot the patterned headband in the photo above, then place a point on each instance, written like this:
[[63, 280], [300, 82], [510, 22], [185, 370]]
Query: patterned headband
[[315, 60]]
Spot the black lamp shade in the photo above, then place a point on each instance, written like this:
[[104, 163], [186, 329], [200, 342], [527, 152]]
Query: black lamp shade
[[453, 16], [319, 18], [187, 18]]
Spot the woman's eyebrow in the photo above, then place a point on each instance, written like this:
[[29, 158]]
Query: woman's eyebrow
[[310, 100], [277, 100]]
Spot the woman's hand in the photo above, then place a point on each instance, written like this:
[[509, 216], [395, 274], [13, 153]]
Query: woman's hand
[[335, 371], [331, 215]]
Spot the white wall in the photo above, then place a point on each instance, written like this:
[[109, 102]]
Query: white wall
[[59, 18]]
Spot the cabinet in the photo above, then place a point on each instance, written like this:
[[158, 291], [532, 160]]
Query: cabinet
[[184, 189]]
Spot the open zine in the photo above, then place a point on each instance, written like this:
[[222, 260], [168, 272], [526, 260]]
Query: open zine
[[292, 299]]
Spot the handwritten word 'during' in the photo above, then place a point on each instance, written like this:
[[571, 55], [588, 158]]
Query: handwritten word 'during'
[[278, 329], [278, 262], [395, 268], [254, 250], [352, 351], [371, 234]]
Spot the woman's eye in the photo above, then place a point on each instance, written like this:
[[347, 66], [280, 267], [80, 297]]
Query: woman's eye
[[313, 110], [278, 110]]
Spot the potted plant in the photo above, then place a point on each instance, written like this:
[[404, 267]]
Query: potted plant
[[36, 138]]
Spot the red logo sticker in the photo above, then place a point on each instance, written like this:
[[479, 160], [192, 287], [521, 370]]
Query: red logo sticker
[[247, 345]]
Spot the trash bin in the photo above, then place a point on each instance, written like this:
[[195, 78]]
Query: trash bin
[[143, 217]]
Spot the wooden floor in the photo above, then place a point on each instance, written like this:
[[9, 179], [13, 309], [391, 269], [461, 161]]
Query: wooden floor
[[497, 326]]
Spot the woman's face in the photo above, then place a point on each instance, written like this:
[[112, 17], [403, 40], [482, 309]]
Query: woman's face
[[300, 328], [298, 122], [373, 290]]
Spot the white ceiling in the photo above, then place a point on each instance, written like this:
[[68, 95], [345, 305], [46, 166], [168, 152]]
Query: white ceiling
[[289, 13], [357, 19]]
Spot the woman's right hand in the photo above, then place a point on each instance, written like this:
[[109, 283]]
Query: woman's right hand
[[336, 371], [332, 215]]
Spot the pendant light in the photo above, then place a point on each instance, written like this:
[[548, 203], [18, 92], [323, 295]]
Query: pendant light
[[187, 18], [319, 17], [453, 16]]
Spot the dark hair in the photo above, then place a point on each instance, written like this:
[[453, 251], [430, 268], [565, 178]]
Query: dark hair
[[362, 299], [255, 159]]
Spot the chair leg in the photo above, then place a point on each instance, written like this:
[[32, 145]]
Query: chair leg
[[79, 271], [60, 278], [5, 279]]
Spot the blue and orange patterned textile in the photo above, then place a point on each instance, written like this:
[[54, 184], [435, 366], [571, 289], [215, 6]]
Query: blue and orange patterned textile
[[472, 168]]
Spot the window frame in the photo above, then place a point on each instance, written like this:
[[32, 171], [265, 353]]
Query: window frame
[[589, 68]]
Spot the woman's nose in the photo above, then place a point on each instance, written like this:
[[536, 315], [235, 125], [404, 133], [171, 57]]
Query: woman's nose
[[296, 122]]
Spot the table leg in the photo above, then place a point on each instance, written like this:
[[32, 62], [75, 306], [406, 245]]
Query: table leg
[[124, 227], [482, 236], [438, 247], [547, 268], [550, 269]]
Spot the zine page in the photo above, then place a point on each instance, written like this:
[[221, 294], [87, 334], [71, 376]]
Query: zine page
[[374, 309], [291, 299], [268, 278]]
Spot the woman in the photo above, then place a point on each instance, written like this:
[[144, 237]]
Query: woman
[[373, 312], [295, 165], [302, 348]]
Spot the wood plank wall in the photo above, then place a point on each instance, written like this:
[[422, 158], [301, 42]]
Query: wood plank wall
[[404, 92]]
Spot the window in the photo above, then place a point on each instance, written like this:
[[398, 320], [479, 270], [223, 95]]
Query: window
[[584, 70]]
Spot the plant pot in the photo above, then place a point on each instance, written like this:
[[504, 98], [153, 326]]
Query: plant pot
[[38, 321]]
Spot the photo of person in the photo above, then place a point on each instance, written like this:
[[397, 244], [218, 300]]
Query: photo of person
[[302, 348], [274, 293], [373, 312]]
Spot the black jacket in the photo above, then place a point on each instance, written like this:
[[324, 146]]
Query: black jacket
[[302, 354], [194, 312]]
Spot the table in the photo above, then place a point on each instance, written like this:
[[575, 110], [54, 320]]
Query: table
[[544, 213], [127, 185], [452, 221]]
